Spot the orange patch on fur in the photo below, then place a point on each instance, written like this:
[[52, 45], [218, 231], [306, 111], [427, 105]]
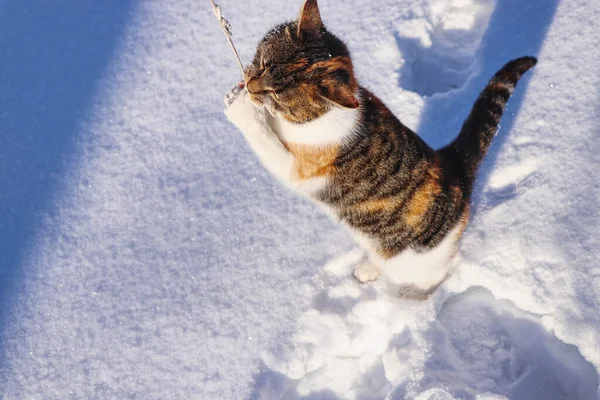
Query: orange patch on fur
[[422, 200], [375, 205], [386, 253], [332, 64], [464, 220], [301, 63], [312, 161]]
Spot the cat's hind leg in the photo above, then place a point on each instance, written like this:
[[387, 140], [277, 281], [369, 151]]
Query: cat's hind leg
[[416, 274]]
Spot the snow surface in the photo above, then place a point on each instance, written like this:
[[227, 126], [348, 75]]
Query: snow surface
[[144, 253]]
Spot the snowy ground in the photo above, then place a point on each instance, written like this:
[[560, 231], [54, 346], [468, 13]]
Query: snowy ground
[[144, 253]]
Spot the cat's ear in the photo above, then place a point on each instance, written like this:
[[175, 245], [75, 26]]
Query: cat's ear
[[341, 95], [310, 18]]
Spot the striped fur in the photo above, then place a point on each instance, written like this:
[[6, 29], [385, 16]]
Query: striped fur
[[471, 145], [339, 144]]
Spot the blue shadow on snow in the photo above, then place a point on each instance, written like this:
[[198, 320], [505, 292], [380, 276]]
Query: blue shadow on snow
[[52, 54], [516, 28]]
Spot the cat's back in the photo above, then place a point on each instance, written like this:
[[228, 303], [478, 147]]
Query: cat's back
[[388, 184]]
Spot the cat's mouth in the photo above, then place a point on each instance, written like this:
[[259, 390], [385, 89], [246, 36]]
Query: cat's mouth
[[260, 98], [263, 98]]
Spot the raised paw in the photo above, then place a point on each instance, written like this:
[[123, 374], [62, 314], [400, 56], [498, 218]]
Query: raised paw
[[233, 93], [366, 272], [241, 110]]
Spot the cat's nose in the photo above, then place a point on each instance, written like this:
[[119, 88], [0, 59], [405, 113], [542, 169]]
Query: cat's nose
[[259, 84], [254, 86]]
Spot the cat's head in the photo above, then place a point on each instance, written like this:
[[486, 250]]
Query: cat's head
[[301, 70]]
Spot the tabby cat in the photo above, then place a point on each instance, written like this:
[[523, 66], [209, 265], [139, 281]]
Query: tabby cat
[[315, 128]]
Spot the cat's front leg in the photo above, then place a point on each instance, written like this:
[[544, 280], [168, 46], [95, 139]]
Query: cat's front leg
[[250, 119]]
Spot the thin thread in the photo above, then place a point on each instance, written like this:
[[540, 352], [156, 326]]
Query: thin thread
[[226, 28]]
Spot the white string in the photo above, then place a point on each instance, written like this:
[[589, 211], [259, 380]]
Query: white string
[[226, 28]]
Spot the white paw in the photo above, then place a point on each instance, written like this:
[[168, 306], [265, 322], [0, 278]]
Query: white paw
[[240, 109], [233, 94], [366, 272]]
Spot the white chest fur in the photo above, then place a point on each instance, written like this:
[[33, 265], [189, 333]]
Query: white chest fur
[[330, 128]]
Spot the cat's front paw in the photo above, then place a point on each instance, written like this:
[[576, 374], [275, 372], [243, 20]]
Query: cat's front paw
[[240, 109], [233, 94]]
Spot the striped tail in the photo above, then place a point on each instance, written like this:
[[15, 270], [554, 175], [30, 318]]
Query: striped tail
[[468, 149]]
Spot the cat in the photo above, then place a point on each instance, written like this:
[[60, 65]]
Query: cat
[[317, 130]]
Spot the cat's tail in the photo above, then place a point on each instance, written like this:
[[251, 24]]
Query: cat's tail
[[468, 149]]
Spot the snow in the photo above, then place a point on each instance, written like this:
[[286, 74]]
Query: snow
[[145, 253]]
